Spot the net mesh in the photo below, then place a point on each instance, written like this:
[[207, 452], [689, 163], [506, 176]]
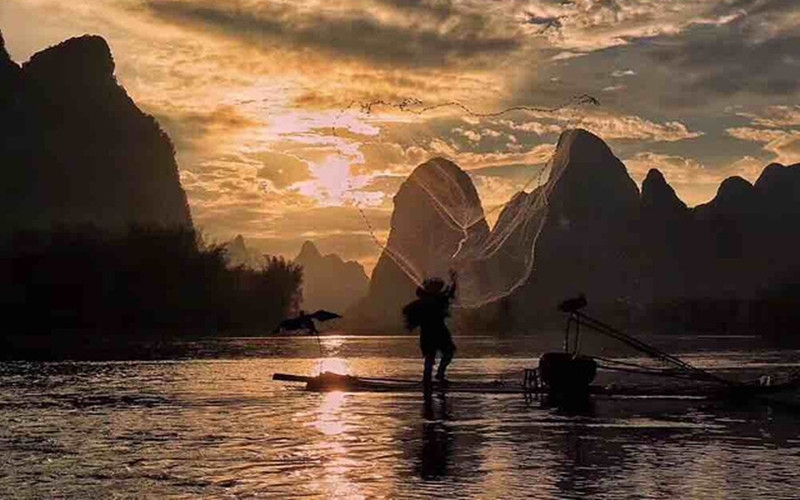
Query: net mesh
[[490, 262]]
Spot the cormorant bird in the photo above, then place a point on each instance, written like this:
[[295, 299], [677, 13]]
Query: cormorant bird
[[573, 305]]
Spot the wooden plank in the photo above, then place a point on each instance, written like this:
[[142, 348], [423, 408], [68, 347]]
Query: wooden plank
[[286, 377]]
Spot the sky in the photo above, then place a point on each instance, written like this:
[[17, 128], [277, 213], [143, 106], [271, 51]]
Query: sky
[[298, 120]]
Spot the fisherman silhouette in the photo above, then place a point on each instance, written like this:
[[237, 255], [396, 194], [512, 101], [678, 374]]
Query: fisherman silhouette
[[428, 313]]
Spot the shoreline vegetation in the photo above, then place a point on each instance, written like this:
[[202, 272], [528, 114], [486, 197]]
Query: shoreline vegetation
[[143, 281], [83, 288]]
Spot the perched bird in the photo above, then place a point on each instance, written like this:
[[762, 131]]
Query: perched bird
[[574, 304]]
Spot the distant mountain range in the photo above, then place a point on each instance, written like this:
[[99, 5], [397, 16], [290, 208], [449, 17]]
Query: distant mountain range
[[238, 254], [328, 281], [641, 258], [75, 149]]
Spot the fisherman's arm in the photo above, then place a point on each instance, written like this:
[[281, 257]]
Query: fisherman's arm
[[451, 289]]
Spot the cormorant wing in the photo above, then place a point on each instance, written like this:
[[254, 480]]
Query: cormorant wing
[[323, 315]]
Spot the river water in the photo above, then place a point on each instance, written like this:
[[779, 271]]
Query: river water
[[205, 420]]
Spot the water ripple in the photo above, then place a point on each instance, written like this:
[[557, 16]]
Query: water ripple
[[221, 428]]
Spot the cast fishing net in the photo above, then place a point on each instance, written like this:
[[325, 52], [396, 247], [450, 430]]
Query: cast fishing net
[[452, 232]]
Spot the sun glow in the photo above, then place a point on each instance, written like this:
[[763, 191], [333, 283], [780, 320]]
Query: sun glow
[[335, 185]]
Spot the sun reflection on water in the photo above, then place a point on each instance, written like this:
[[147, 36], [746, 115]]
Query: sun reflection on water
[[339, 465], [329, 420]]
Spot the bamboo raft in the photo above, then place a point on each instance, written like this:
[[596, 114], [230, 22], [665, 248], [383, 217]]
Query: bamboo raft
[[786, 393], [327, 382], [568, 375]]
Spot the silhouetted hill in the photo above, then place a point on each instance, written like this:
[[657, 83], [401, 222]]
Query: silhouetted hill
[[502, 262], [666, 238], [589, 241], [726, 237], [9, 75], [659, 201], [511, 211], [422, 238], [728, 265], [737, 259], [748, 232], [328, 281], [76, 149], [778, 191], [238, 254]]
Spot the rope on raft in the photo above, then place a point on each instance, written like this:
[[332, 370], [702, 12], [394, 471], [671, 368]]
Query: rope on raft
[[639, 368], [653, 372], [689, 370]]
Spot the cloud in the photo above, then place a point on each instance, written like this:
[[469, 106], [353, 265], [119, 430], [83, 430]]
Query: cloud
[[192, 128], [536, 155], [776, 116], [389, 157], [589, 25], [436, 9], [495, 192], [328, 220], [605, 123], [751, 50], [564, 55], [753, 7], [471, 135], [385, 183], [689, 58], [532, 126], [281, 170], [783, 144], [346, 32], [633, 127]]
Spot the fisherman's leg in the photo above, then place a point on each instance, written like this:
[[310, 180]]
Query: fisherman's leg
[[447, 357], [430, 359]]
